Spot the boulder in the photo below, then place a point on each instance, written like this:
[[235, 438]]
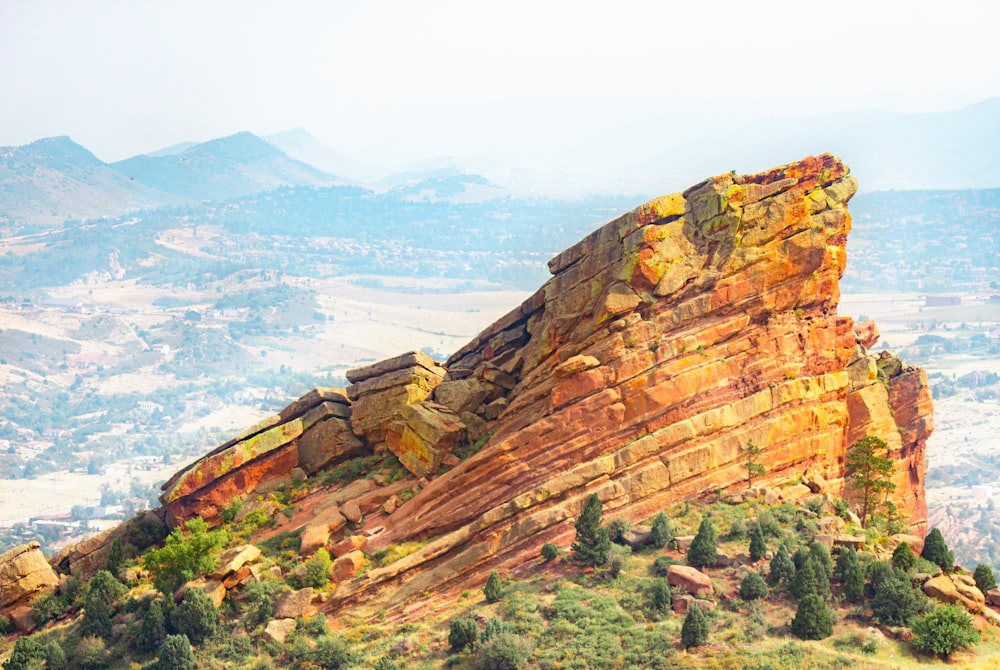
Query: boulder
[[24, 572], [277, 630], [23, 618], [690, 579], [866, 333], [352, 512], [683, 542], [956, 592], [816, 482], [347, 566], [234, 559], [916, 543], [638, 537], [349, 544], [292, 604], [993, 597]]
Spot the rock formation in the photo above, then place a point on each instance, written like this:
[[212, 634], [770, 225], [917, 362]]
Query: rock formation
[[664, 342], [24, 573]]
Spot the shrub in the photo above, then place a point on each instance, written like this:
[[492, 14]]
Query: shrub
[[878, 572], [592, 540], [47, 607], [937, 552], [895, 600], [618, 560], [55, 657], [984, 578], [318, 569], [660, 596], [782, 568], [800, 557], [903, 557], [702, 551], [661, 533], [758, 547], [617, 529], [695, 629], [753, 587], [92, 653], [505, 651], [661, 565], [495, 627], [196, 616], [493, 590], [6, 627], [184, 557], [462, 633], [813, 621], [175, 654], [770, 526], [331, 653], [944, 630], [387, 663], [27, 651], [549, 551]]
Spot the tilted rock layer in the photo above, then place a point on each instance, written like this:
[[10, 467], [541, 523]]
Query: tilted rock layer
[[663, 343]]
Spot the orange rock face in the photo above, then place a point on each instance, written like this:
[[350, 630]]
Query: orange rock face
[[664, 341]]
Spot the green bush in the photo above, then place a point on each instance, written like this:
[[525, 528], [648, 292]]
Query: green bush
[[549, 551], [6, 627], [184, 557], [617, 529], [895, 600], [175, 654], [703, 551], [937, 552], [463, 633], [661, 565], [318, 569], [96, 617], [25, 655], [695, 629], [495, 627], [504, 652], [984, 578], [91, 652], [47, 607], [661, 599], [332, 653], [196, 617], [493, 590], [903, 557], [943, 630], [753, 587], [661, 534], [55, 657], [813, 621]]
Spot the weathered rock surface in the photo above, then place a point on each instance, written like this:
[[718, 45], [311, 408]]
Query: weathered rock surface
[[690, 579], [311, 433], [952, 589], [24, 572], [663, 342], [292, 604], [278, 630]]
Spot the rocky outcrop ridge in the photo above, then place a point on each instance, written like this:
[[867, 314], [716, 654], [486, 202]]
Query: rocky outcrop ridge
[[662, 344], [24, 573]]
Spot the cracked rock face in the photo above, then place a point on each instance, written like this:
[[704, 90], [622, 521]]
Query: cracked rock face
[[24, 572], [663, 342]]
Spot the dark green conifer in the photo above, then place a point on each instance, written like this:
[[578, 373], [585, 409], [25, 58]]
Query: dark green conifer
[[592, 540], [895, 601], [153, 630], [661, 534], [854, 582], [984, 578], [175, 654], [753, 587], [758, 547], [903, 557], [782, 568], [661, 596], [813, 621], [197, 617], [845, 558], [494, 588], [937, 552], [805, 581], [694, 630], [703, 552]]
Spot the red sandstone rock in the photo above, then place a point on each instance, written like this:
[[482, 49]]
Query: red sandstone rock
[[691, 579], [347, 566]]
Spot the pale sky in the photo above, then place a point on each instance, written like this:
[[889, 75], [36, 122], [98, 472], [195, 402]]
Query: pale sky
[[391, 82]]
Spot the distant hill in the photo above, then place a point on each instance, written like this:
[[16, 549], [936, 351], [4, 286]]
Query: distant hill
[[53, 179], [228, 167], [302, 146]]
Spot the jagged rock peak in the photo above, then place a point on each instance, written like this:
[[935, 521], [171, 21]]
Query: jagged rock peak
[[663, 343]]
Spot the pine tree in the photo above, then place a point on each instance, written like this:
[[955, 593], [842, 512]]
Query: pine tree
[[694, 630], [800, 557], [870, 474], [197, 617], [813, 621], [703, 552], [804, 583], [175, 654], [854, 582], [937, 552], [494, 588], [895, 600], [661, 534], [758, 547], [822, 577], [153, 630], [820, 556], [660, 595], [96, 616], [903, 557], [751, 461], [116, 557], [26, 654], [782, 568], [55, 657], [592, 540], [845, 558], [753, 587], [984, 578]]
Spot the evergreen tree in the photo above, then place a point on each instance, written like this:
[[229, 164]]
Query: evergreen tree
[[937, 552], [822, 577], [758, 547], [96, 616], [895, 600], [153, 630], [462, 633], [854, 582], [106, 586], [702, 552], [751, 461], [804, 583], [196, 617], [847, 557], [753, 587], [592, 540], [820, 556], [55, 657], [800, 557], [694, 630], [984, 578], [116, 557], [661, 534], [662, 598], [903, 557], [26, 654], [870, 474], [782, 568], [494, 588], [813, 621], [175, 654], [549, 551]]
